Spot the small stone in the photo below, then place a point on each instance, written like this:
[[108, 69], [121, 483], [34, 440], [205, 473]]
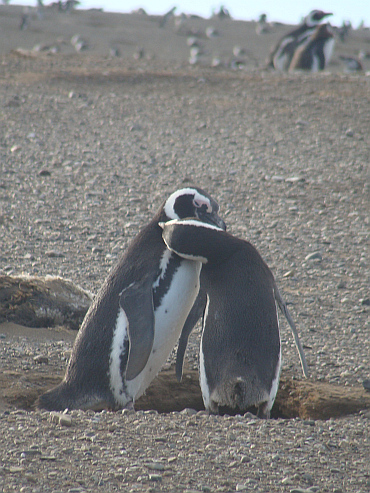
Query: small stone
[[188, 411], [155, 466], [41, 359], [277, 178], [341, 285], [53, 254], [15, 469], [349, 133], [31, 478], [313, 256], [96, 249], [155, 477], [127, 412], [60, 418], [289, 273], [294, 179], [44, 172], [365, 301], [366, 385]]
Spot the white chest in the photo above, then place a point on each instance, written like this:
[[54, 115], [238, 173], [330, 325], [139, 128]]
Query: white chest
[[170, 317]]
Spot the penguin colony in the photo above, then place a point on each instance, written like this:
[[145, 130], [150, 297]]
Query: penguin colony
[[182, 265], [309, 47]]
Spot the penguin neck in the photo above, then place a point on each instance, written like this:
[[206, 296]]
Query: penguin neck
[[168, 266]]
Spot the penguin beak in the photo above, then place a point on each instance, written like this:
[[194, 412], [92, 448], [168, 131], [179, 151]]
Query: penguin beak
[[211, 218]]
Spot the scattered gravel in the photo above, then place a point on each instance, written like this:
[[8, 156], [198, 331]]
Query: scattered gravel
[[89, 148], [146, 451]]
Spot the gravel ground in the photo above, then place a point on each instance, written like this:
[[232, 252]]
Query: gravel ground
[[89, 148]]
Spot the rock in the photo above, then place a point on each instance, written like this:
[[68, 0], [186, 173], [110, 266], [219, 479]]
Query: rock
[[155, 477], [366, 385], [42, 302], [313, 256], [41, 359], [60, 418], [155, 466]]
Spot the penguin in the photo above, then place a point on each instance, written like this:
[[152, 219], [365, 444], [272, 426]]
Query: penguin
[[240, 350], [315, 53], [137, 316], [353, 64], [282, 54]]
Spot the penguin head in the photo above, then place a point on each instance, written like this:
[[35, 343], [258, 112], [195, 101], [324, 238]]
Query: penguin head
[[315, 17], [192, 202]]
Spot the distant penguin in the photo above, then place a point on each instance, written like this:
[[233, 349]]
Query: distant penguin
[[315, 53], [262, 26], [240, 352], [136, 318], [353, 64], [282, 54]]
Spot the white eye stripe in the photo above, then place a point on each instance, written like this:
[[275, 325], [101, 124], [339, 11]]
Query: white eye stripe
[[199, 202], [169, 207]]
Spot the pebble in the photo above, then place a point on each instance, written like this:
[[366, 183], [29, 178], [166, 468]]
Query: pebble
[[313, 256], [54, 254], [41, 359], [155, 466], [155, 477], [60, 418], [366, 384]]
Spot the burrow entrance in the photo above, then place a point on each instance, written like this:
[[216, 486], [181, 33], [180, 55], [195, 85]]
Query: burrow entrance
[[305, 399]]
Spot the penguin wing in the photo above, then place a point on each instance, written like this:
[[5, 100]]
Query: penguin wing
[[194, 315], [137, 302]]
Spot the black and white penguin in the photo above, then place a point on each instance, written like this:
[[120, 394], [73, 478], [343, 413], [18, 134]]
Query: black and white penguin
[[353, 64], [282, 54], [136, 318], [315, 53], [240, 352]]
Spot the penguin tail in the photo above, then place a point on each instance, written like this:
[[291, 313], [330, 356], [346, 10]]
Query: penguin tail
[[64, 397], [283, 307], [56, 399]]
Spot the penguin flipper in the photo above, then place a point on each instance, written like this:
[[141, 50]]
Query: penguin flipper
[[285, 311], [194, 315], [137, 302]]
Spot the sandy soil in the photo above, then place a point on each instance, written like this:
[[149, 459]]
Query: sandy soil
[[90, 145]]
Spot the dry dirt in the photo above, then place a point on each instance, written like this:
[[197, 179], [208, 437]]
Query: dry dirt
[[90, 145]]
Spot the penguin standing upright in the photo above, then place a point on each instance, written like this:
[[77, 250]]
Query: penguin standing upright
[[240, 352], [282, 54], [137, 316], [315, 53]]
